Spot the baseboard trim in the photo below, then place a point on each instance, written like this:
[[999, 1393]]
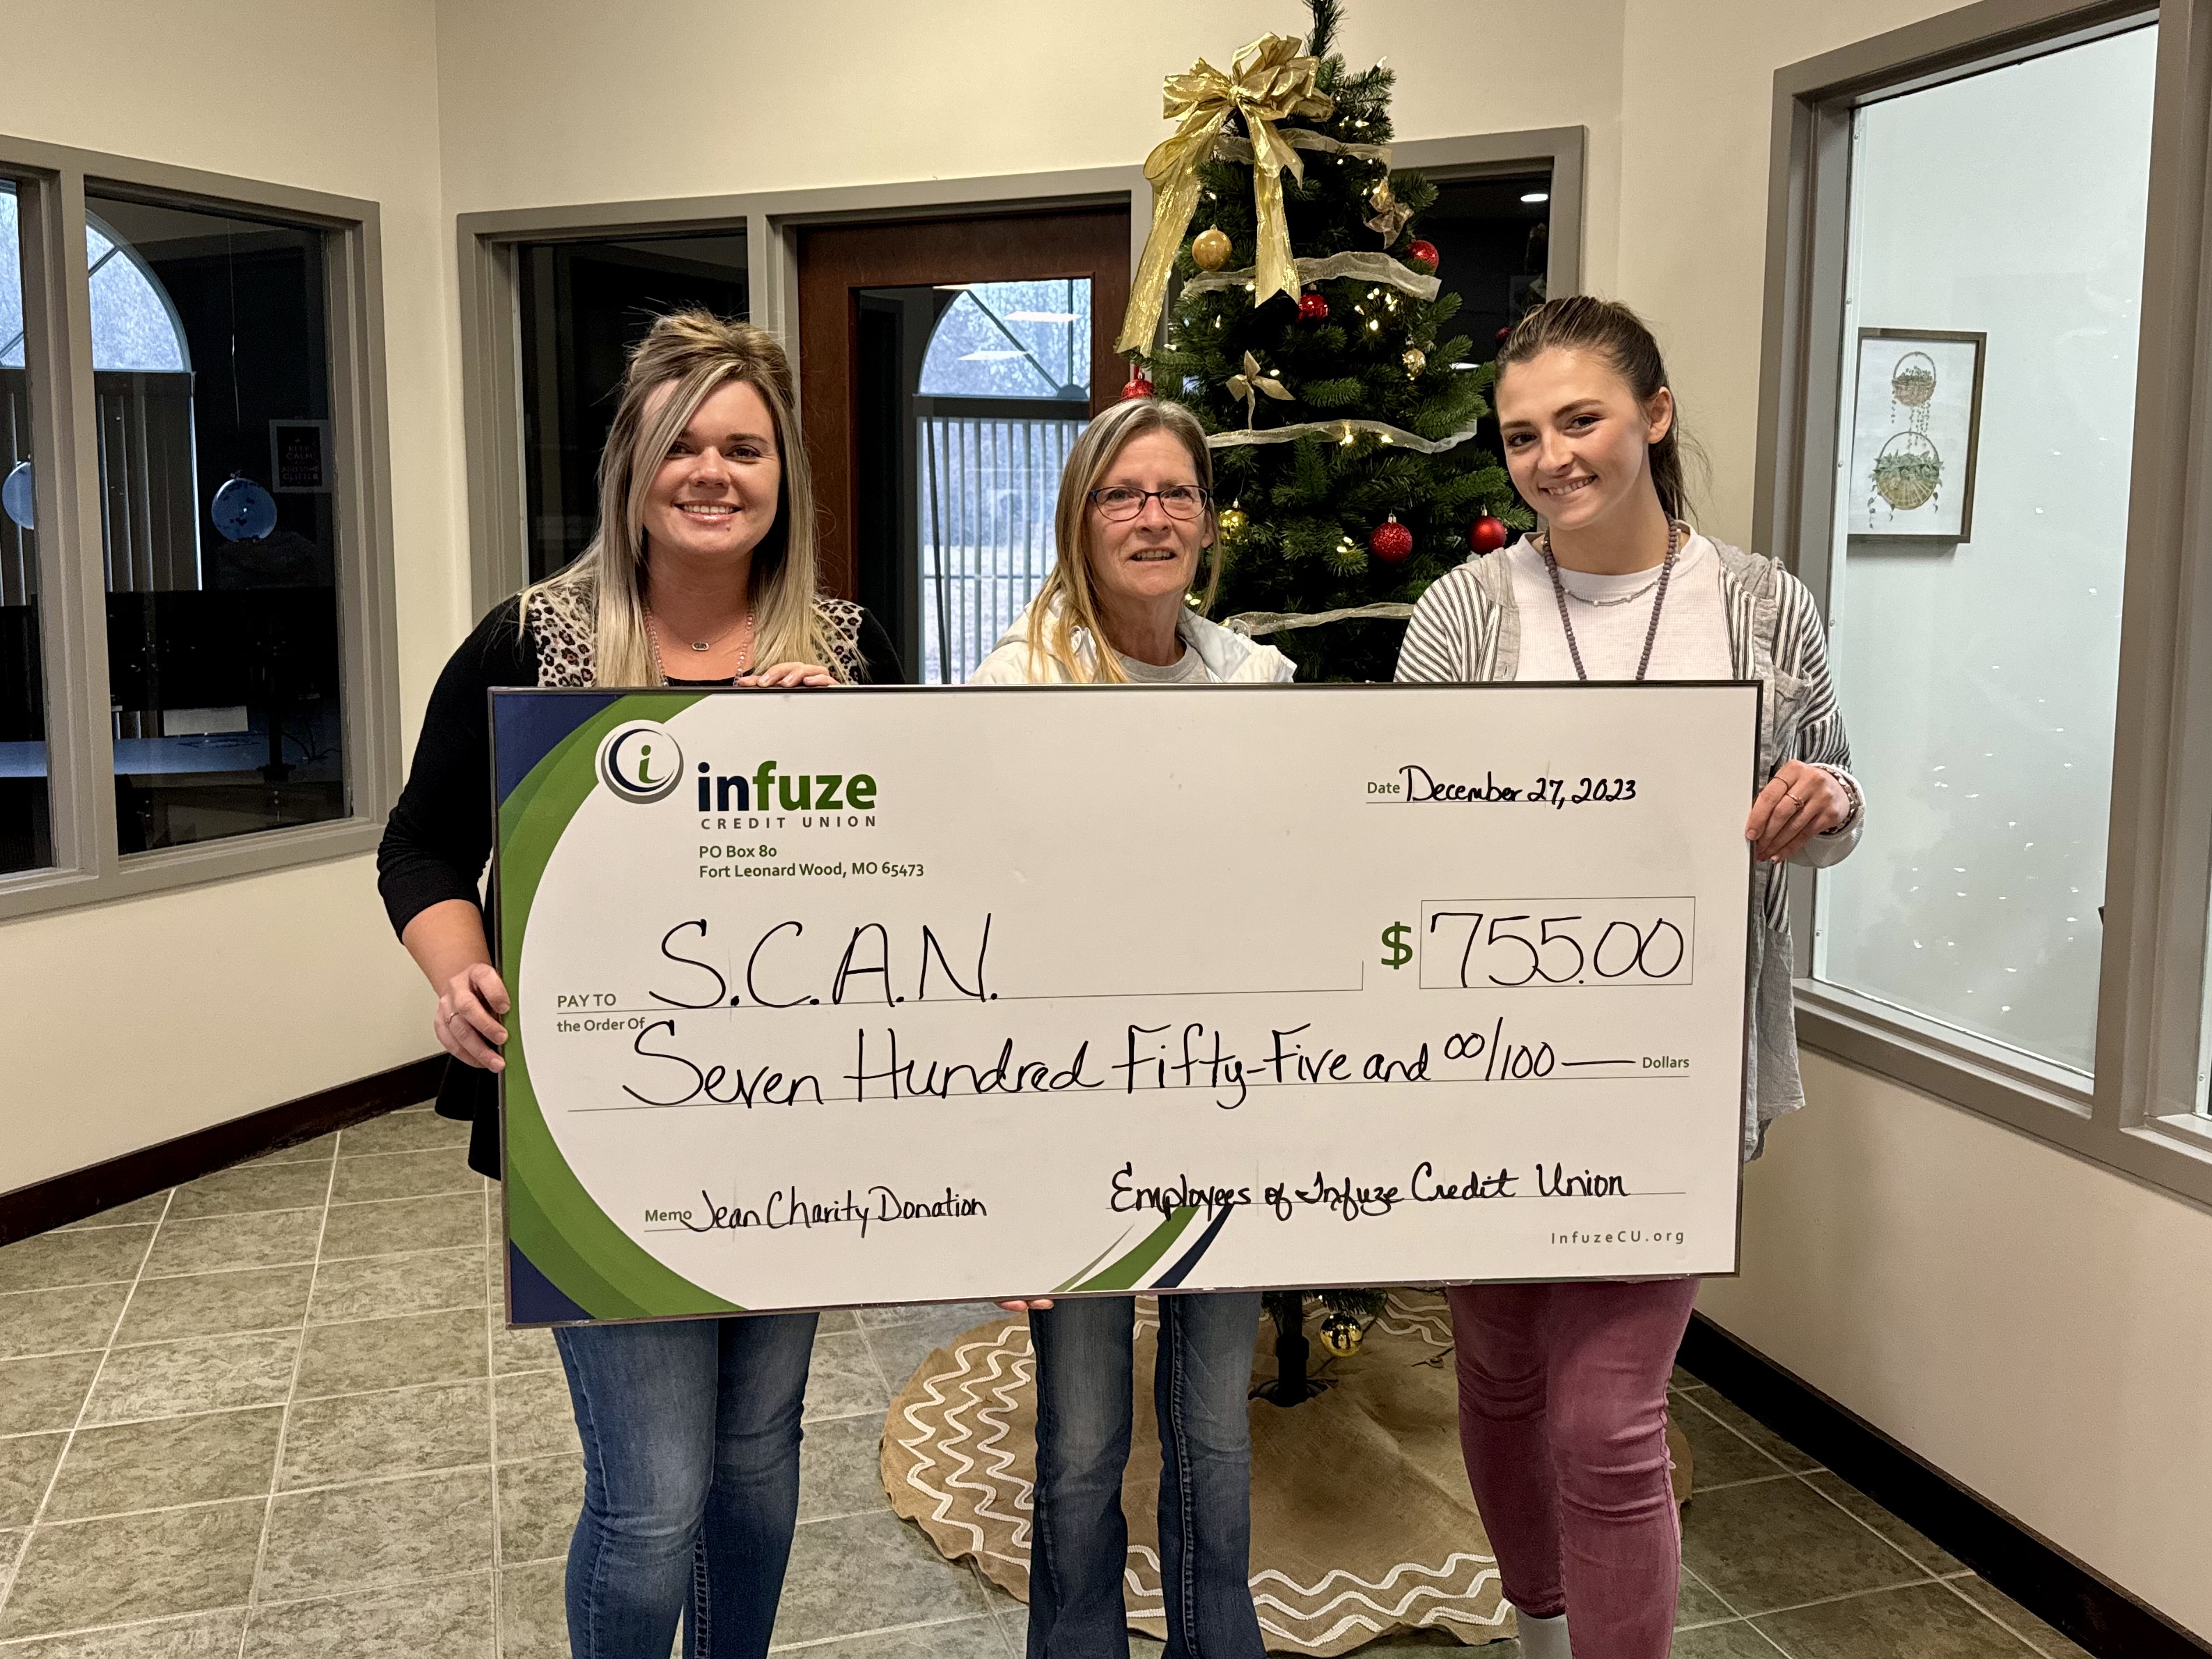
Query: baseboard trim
[[61, 1198], [2035, 1572]]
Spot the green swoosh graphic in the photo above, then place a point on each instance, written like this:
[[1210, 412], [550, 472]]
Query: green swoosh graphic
[[1124, 1273], [556, 1223]]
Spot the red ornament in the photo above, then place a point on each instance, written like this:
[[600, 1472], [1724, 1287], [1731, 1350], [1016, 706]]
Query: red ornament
[[1423, 254], [1313, 305], [1140, 384], [1488, 535], [1504, 334], [1390, 541]]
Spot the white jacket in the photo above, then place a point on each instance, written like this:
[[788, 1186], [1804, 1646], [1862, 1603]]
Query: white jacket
[[1227, 656]]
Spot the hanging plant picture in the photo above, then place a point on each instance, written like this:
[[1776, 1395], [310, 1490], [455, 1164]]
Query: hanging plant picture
[[1916, 427]]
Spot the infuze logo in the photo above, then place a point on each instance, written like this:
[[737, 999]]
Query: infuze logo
[[641, 761], [765, 789]]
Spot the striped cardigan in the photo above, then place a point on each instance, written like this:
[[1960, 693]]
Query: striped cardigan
[[1467, 628]]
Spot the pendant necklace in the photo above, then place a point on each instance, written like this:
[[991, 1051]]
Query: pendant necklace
[[1658, 603], [744, 625]]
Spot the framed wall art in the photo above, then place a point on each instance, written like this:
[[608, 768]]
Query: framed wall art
[[1916, 425]]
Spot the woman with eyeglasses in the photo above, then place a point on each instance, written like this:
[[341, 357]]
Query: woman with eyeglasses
[[1136, 510]]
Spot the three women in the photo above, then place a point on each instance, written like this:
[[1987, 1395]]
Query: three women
[[703, 570]]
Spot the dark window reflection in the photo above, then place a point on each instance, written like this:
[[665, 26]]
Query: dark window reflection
[[25, 826], [219, 521], [1493, 240], [583, 306]]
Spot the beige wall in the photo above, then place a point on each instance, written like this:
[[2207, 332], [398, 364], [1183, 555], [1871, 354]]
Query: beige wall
[[865, 91], [2036, 1327], [136, 1022]]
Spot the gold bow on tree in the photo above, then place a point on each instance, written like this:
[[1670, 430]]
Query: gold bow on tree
[[1251, 383], [1390, 213], [1268, 82]]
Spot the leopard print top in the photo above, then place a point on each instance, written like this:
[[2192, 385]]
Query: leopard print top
[[562, 620]]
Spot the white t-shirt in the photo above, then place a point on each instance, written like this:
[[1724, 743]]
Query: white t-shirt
[[1693, 642]]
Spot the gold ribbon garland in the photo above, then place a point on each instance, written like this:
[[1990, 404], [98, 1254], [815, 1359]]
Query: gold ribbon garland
[[1258, 624], [1378, 268], [1339, 429], [1269, 81]]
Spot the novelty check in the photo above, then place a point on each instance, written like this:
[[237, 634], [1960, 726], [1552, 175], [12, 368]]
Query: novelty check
[[838, 997]]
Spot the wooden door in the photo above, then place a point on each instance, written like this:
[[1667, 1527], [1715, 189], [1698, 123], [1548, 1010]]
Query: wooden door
[[837, 261]]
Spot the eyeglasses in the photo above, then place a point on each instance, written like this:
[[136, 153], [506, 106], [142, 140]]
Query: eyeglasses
[[1176, 501]]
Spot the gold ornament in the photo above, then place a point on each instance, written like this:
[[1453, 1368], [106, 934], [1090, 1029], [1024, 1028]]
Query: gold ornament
[[1341, 1335], [1211, 249], [1415, 361], [1269, 81], [1233, 522], [1390, 213], [1251, 383]]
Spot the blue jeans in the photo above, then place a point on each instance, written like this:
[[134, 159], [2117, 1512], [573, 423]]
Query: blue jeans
[[690, 1431], [1079, 1543]]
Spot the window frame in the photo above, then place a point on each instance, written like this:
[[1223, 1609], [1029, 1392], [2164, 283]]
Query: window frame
[[51, 181], [491, 314], [2138, 1113]]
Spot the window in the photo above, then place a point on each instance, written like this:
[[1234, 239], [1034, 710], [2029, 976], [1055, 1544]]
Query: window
[[219, 532], [1003, 393], [1011, 340], [1978, 672], [26, 819], [1968, 453], [582, 306], [195, 649]]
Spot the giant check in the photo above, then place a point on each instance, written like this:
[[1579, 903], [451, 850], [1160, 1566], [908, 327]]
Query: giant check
[[826, 998]]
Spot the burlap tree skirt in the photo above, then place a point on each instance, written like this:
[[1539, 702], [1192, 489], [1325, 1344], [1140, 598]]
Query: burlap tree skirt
[[1362, 1522]]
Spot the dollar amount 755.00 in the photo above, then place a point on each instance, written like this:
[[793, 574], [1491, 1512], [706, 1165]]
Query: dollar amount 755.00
[[1506, 944]]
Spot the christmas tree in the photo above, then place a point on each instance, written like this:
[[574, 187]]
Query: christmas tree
[[1342, 410], [1311, 339]]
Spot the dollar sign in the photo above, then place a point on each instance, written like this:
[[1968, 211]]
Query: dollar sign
[[1398, 953]]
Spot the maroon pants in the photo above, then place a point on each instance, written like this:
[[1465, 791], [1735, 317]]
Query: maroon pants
[[1563, 1420]]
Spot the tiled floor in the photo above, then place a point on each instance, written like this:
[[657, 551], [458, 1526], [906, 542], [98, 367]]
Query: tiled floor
[[274, 1412]]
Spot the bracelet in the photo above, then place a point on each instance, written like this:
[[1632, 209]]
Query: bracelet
[[1851, 788]]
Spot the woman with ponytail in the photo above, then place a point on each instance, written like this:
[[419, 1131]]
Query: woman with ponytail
[[703, 573], [1562, 1386]]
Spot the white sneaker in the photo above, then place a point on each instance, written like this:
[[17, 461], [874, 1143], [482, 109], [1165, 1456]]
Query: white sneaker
[[1544, 1638]]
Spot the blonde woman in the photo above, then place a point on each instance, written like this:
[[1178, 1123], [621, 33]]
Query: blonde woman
[[1136, 511], [703, 572]]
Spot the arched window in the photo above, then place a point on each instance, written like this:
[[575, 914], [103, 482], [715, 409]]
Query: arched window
[[1012, 340], [134, 326]]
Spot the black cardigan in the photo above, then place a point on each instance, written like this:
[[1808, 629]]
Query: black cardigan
[[439, 833]]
